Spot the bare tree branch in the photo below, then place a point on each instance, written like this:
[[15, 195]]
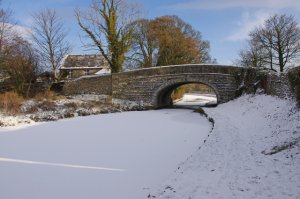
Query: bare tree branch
[[6, 27], [279, 38], [108, 20], [49, 37]]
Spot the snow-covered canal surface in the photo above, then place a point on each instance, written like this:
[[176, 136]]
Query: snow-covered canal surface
[[112, 156]]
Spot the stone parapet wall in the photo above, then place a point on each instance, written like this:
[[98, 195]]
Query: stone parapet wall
[[180, 69], [98, 85], [153, 86], [149, 89]]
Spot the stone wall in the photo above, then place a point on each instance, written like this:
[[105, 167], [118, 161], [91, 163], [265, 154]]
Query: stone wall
[[272, 83], [99, 85]]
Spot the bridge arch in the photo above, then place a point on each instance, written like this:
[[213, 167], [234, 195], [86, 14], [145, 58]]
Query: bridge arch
[[162, 97]]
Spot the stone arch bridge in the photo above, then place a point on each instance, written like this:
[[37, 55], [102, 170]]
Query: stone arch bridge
[[152, 87]]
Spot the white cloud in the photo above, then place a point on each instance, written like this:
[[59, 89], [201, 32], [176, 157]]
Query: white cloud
[[227, 4], [247, 23], [18, 30], [22, 31]]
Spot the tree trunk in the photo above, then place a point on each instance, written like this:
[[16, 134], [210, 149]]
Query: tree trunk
[[54, 78], [281, 64]]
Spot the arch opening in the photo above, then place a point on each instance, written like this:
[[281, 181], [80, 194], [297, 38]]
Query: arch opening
[[187, 95]]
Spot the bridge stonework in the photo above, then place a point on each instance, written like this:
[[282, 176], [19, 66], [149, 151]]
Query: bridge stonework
[[98, 85], [152, 87]]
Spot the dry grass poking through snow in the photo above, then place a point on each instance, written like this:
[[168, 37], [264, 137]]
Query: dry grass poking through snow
[[10, 103], [48, 95], [50, 107]]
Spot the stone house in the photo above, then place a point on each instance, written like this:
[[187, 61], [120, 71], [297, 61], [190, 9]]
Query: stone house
[[74, 66]]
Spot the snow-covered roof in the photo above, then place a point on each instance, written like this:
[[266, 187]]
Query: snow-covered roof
[[93, 61]]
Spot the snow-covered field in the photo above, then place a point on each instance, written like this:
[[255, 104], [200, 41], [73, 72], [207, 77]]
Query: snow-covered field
[[252, 152], [110, 156]]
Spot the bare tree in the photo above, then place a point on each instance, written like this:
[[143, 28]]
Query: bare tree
[[21, 63], [279, 37], [144, 45], [254, 56], [49, 37], [106, 24], [5, 27]]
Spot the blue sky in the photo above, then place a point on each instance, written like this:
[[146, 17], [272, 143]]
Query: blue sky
[[224, 23]]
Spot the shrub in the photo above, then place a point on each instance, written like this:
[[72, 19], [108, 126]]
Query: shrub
[[47, 106], [20, 62], [47, 95], [10, 102], [294, 77], [297, 92], [71, 105]]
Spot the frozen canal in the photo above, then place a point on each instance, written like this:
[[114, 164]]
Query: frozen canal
[[112, 156]]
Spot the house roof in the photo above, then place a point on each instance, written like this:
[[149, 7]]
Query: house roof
[[94, 61]]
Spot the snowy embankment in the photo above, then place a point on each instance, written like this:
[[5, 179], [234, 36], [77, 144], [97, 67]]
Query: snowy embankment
[[46, 110], [253, 152], [109, 156]]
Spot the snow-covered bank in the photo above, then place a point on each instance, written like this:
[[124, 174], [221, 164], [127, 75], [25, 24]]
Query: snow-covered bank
[[33, 110], [14, 121], [253, 152], [109, 156]]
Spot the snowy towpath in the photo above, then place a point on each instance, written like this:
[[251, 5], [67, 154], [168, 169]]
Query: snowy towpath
[[253, 152], [112, 156]]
